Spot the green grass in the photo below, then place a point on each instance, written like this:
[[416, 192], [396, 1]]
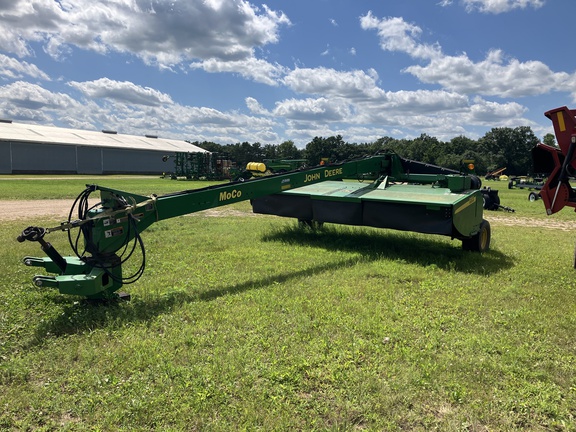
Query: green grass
[[517, 199], [248, 323], [58, 187]]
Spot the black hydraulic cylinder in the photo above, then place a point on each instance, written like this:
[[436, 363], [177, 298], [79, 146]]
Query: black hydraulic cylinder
[[37, 234], [54, 255]]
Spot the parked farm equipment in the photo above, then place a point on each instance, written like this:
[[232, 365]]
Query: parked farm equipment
[[495, 175], [275, 166], [200, 166], [405, 195], [533, 184], [491, 200], [270, 166]]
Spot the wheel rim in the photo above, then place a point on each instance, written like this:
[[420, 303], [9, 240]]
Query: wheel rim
[[483, 239]]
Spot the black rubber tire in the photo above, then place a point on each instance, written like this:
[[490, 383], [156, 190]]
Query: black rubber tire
[[479, 242], [496, 202], [532, 196], [475, 182], [488, 202]]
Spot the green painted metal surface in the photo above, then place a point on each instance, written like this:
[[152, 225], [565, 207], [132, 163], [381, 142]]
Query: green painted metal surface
[[345, 191], [426, 208]]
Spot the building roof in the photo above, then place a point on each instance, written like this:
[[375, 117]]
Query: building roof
[[21, 132]]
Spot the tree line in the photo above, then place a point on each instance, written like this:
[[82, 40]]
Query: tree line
[[499, 148]]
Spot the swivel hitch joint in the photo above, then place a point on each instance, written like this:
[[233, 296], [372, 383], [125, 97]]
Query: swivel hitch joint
[[37, 234], [32, 234]]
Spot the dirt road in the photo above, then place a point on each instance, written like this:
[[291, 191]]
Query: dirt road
[[59, 209], [17, 209]]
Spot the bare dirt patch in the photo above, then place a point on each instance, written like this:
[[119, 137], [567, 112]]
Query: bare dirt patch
[[496, 219], [18, 209], [227, 212], [60, 208]]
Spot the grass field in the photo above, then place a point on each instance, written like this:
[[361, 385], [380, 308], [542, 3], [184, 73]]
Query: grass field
[[244, 322]]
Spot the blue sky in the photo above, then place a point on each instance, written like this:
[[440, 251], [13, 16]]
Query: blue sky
[[231, 71]]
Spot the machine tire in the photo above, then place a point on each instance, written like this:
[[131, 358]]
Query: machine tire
[[490, 200], [479, 242], [496, 202], [475, 182], [532, 196]]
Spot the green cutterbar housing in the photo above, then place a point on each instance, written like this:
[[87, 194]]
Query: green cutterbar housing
[[452, 210]]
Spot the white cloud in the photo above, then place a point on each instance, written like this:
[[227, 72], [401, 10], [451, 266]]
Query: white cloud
[[493, 76], [255, 107], [398, 35], [124, 91], [14, 69], [485, 112], [148, 110], [22, 21], [163, 32], [311, 110], [31, 96], [425, 101], [501, 6], [353, 85], [410, 109], [370, 122], [31, 102], [354, 99], [252, 68], [224, 36]]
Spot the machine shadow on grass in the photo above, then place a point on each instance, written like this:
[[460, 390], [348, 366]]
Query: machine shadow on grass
[[82, 316], [413, 248]]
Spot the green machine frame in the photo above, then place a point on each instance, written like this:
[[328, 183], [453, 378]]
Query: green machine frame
[[111, 230]]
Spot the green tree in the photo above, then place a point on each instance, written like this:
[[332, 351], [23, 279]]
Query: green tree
[[210, 146], [242, 153], [510, 148], [452, 153], [461, 145], [382, 144], [320, 148], [426, 149], [549, 139], [288, 150], [270, 151]]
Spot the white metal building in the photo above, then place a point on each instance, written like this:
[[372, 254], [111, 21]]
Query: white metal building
[[29, 149]]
